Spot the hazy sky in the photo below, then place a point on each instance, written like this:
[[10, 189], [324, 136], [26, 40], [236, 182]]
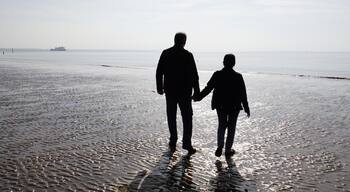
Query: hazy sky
[[211, 25]]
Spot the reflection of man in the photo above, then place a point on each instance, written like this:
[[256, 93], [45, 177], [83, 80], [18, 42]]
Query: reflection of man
[[176, 76]]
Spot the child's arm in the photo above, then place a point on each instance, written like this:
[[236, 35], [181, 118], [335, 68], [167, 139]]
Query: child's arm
[[208, 88]]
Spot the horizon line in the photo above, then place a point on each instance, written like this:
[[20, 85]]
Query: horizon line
[[151, 50]]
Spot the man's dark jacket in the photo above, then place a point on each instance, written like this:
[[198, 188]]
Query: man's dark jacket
[[178, 68], [229, 91]]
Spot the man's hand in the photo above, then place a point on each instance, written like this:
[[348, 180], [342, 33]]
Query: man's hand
[[160, 91]]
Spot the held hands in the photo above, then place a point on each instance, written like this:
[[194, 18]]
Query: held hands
[[196, 97]]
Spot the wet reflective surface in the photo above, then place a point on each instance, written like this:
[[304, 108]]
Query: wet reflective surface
[[104, 129]]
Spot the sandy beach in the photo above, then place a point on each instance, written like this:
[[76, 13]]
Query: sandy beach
[[101, 128]]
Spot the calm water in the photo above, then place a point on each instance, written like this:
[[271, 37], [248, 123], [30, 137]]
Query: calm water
[[295, 63], [67, 123]]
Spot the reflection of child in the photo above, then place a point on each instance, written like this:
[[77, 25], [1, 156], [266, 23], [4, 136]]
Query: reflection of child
[[228, 98]]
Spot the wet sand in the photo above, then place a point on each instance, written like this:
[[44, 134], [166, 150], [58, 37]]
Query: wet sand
[[104, 129]]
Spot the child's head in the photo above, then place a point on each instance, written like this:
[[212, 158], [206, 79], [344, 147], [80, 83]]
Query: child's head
[[229, 60]]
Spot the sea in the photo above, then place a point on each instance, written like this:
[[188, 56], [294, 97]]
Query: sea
[[91, 120]]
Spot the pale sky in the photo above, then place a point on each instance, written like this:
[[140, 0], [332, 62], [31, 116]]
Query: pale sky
[[211, 25]]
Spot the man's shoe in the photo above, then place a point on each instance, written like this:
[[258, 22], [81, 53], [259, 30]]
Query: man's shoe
[[218, 152], [230, 153], [190, 150]]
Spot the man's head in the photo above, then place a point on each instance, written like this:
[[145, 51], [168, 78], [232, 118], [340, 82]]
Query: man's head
[[180, 39], [229, 60]]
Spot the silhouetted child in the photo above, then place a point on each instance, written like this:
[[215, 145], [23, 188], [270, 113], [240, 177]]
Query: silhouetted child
[[228, 98]]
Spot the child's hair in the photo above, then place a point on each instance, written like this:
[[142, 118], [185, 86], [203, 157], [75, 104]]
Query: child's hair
[[229, 60]]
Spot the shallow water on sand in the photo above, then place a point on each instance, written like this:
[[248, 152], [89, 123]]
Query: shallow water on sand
[[104, 129]]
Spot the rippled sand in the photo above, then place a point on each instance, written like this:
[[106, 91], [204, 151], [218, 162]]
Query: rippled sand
[[104, 129]]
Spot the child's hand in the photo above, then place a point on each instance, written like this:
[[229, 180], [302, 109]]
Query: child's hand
[[248, 112]]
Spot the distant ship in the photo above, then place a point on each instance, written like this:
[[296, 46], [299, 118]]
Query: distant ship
[[58, 49]]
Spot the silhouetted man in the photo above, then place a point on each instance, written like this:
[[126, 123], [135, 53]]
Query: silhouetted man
[[177, 76]]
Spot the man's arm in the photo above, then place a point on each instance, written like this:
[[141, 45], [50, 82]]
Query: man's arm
[[195, 78], [244, 98], [160, 74]]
